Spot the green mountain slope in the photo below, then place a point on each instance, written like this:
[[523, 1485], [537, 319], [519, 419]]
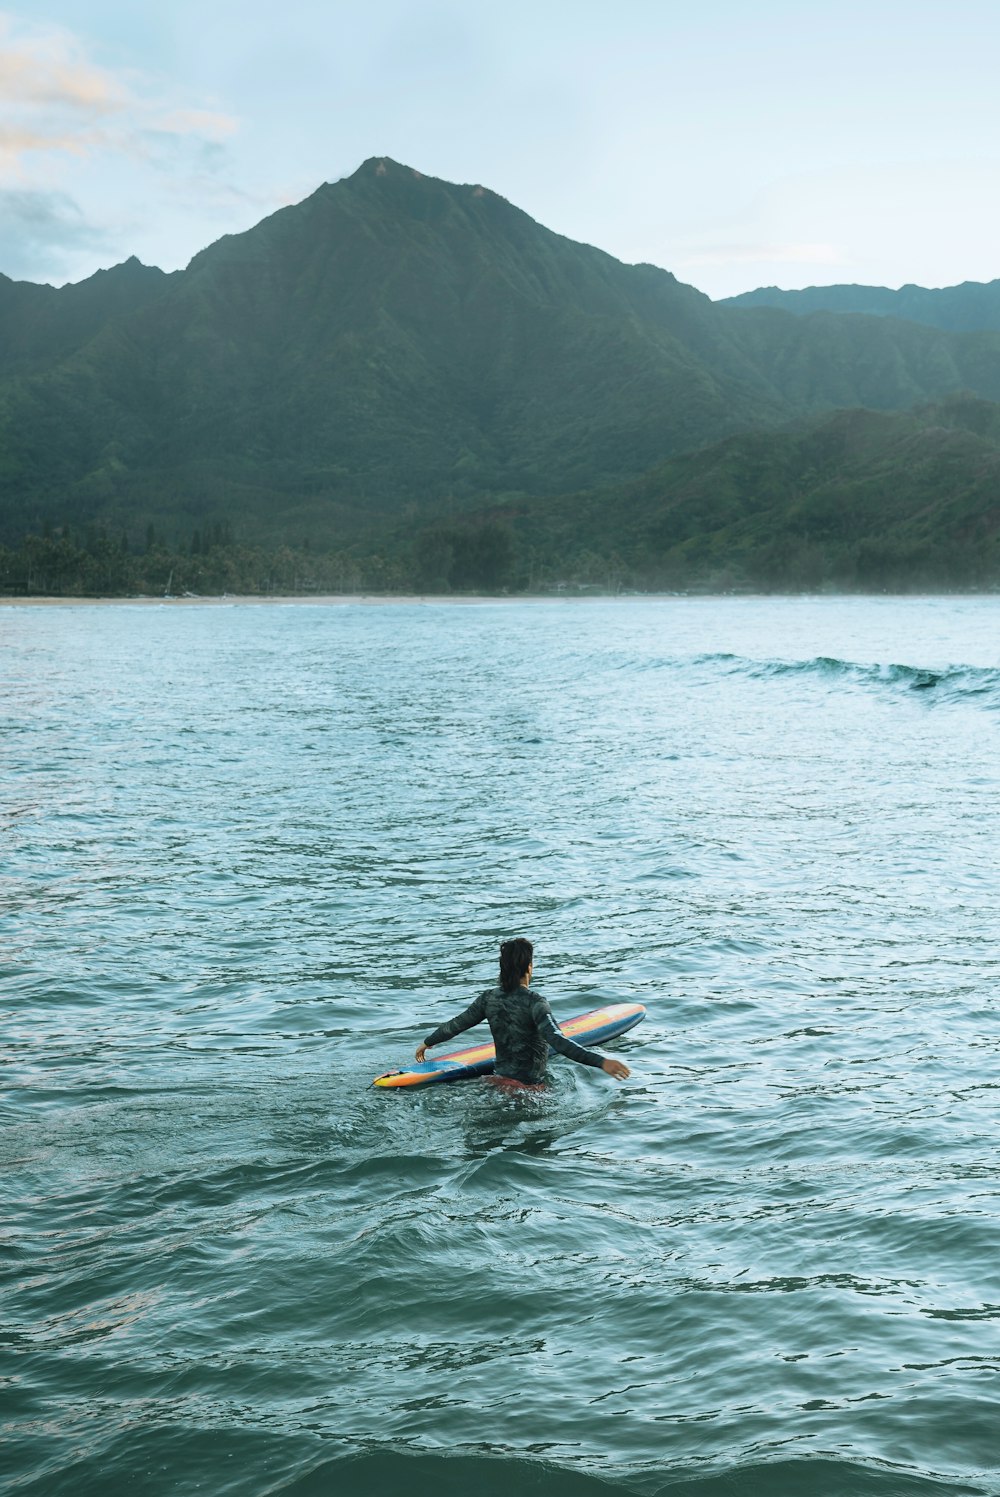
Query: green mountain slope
[[974, 306], [391, 338], [41, 325], [857, 499], [397, 345]]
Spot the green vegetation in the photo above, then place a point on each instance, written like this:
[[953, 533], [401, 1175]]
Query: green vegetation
[[859, 500], [58, 563], [476, 556], [856, 501], [404, 383], [972, 307]]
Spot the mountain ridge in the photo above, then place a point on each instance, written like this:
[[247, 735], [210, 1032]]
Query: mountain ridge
[[396, 347], [971, 306]]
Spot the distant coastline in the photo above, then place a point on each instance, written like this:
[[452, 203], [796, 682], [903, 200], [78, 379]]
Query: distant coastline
[[463, 600], [22, 600]]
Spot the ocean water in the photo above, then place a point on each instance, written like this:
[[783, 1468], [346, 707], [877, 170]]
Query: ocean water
[[252, 854]]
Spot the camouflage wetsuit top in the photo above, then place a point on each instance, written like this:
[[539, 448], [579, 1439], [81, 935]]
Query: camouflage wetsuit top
[[523, 1028]]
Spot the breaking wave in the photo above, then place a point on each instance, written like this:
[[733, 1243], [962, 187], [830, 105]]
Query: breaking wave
[[952, 684]]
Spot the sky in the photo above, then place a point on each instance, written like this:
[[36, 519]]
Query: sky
[[736, 144]]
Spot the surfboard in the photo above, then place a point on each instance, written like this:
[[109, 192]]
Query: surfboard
[[589, 1029]]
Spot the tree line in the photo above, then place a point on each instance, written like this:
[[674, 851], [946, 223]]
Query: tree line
[[491, 555], [94, 562]]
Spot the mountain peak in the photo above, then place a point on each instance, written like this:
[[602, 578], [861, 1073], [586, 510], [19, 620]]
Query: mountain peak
[[398, 340], [381, 166], [387, 172], [132, 267], [384, 171]]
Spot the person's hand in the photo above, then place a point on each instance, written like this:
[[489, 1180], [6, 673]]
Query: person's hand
[[421, 1051], [616, 1068]]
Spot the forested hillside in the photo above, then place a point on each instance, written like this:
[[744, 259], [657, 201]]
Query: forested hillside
[[857, 500], [974, 306], [398, 355]]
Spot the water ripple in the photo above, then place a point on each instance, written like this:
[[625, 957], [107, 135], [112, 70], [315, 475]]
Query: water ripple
[[253, 854]]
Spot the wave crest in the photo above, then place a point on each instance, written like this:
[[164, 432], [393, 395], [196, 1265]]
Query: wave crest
[[956, 683]]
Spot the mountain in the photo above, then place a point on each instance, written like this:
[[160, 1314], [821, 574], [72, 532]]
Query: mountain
[[857, 499], [974, 306], [396, 347], [41, 325]]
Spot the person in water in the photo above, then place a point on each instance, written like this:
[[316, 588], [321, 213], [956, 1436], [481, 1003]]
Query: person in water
[[521, 1023]]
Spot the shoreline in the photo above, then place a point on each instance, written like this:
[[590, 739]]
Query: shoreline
[[258, 600], [450, 600]]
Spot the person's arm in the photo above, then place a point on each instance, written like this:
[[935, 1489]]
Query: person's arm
[[474, 1014], [545, 1019]]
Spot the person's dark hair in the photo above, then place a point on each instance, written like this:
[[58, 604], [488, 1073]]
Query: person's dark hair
[[515, 959]]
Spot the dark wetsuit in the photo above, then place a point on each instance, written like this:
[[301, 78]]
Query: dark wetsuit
[[523, 1028]]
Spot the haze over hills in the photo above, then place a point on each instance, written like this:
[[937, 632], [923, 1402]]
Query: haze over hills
[[396, 354], [855, 499], [974, 306]]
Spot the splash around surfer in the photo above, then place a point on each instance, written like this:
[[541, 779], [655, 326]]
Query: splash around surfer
[[522, 1025]]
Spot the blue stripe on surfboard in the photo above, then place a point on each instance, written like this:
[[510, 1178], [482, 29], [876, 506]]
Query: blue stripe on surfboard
[[428, 1072]]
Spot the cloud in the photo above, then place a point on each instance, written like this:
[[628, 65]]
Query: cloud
[[52, 99], [74, 131], [18, 141], [201, 122], [37, 229], [44, 70], [55, 100]]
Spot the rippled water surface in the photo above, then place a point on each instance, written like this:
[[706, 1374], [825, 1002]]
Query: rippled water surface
[[252, 854]]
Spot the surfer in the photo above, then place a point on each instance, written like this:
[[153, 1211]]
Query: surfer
[[521, 1023]]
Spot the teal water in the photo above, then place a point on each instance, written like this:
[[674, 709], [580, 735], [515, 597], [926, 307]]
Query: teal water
[[252, 854]]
